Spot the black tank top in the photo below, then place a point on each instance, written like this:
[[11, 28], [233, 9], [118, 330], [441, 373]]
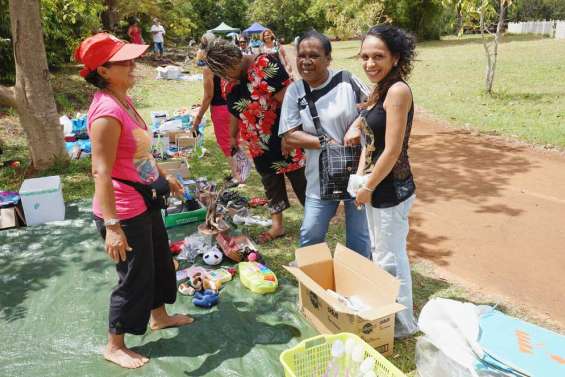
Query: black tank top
[[218, 99], [398, 185]]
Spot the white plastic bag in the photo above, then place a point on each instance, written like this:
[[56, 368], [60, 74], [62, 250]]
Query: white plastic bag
[[242, 166], [451, 346], [355, 183]]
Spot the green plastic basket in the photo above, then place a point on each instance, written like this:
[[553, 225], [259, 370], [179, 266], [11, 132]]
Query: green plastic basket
[[311, 357]]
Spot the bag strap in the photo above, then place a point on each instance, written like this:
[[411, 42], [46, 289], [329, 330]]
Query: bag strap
[[135, 185], [312, 105], [312, 108]]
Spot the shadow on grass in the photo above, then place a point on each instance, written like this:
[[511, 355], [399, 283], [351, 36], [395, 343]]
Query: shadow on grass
[[453, 41], [504, 97]]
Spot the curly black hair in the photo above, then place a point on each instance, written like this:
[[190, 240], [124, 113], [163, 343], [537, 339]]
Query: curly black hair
[[400, 44], [221, 55]]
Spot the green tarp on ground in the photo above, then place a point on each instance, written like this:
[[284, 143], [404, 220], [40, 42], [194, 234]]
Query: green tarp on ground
[[55, 281]]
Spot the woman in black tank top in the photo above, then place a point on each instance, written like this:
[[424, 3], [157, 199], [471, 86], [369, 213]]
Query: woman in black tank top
[[386, 184]]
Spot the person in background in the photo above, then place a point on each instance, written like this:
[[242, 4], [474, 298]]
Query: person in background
[[336, 96], [134, 32], [134, 234], [256, 89], [271, 46], [387, 54], [214, 100], [158, 33], [243, 46]]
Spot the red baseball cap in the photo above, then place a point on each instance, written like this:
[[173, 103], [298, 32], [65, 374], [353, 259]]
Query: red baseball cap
[[102, 48]]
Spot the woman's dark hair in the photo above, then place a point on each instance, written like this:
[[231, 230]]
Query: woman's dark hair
[[402, 45], [325, 41], [221, 55], [95, 79]]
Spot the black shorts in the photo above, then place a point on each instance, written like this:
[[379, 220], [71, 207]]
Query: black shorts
[[275, 188], [146, 279]]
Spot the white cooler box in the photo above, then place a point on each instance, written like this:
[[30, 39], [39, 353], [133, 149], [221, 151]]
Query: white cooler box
[[42, 200]]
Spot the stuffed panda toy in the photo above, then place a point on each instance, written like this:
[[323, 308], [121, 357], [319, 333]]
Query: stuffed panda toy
[[213, 256]]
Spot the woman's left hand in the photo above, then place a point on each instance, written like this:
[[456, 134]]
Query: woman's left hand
[[175, 186], [363, 197]]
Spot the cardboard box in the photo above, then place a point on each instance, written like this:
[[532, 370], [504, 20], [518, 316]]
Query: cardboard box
[[173, 135], [11, 217], [175, 167], [348, 274], [185, 141]]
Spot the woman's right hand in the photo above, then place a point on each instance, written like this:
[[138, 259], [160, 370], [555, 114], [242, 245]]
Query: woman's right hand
[[196, 122], [116, 243]]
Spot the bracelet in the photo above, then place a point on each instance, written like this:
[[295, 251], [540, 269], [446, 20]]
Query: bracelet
[[111, 222], [364, 187]]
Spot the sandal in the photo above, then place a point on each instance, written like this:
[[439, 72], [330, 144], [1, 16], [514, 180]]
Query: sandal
[[258, 202], [186, 290], [266, 237]]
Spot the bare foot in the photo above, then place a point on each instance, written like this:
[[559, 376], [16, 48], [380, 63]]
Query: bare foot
[[125, 358], [175, 320]]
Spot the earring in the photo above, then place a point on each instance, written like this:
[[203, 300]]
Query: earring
[[395, 64]]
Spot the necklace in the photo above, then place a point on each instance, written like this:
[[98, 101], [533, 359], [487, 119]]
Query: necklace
[[129, 109]]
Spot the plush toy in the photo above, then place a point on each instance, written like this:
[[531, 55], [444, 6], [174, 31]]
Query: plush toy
[[213, 256], [205, 299]]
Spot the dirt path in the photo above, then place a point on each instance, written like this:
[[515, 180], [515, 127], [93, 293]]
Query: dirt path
[[491, 214]]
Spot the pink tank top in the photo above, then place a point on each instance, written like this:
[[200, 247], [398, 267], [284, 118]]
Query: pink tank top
[[134, 161]]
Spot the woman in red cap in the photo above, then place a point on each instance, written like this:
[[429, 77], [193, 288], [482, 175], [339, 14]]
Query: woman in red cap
[[134, 234]]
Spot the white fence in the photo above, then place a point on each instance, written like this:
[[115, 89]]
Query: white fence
[[551, 28], [560, 30]]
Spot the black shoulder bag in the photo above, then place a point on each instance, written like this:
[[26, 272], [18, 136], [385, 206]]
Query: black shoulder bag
[[337, 162], [154, 195]]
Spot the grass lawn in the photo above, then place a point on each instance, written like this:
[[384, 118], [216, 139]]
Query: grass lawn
[[448, 80]]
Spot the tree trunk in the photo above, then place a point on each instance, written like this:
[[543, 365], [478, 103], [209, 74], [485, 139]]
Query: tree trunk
[[501, 16], [110, 15], [32, 96], [492, 57]]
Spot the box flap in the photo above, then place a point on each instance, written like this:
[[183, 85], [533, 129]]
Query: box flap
[[355, 275], [303, 278], [316, 262], [313, 254], [381, 311]]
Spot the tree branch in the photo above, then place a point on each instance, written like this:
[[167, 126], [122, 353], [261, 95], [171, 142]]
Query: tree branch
[[7, 96]]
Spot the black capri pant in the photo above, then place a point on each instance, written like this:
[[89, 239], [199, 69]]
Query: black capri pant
[[146, 279], [275, 188]]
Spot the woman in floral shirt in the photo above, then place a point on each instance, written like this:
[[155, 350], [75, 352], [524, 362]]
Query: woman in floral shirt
[[255, 90]]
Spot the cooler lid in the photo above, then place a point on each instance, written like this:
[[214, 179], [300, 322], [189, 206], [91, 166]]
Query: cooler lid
[[42, 185]]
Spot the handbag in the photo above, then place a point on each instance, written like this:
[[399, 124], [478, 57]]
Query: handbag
[[154, 195], [337, 162]]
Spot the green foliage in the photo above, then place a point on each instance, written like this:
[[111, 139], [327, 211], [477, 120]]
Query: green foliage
[[421, 17], [65, 24], [287, 18], [6, 55], [534, 10], [346, 19]]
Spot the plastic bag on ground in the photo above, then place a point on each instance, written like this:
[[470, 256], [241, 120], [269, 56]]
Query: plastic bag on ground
[[452, 328]]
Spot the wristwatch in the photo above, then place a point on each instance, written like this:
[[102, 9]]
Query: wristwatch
[[111, 222], [323, 140]]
